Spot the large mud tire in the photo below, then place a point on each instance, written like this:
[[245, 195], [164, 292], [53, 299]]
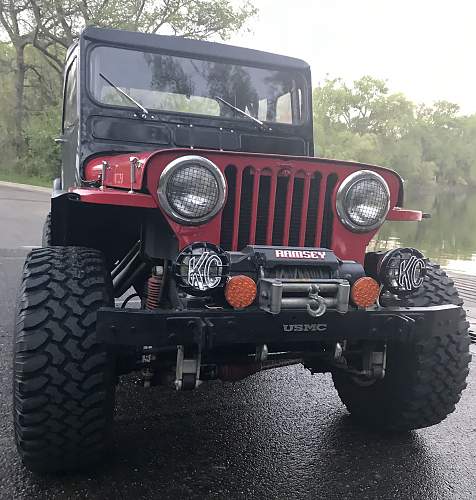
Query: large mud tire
[[46, 235], [423, 380], [63, 378]]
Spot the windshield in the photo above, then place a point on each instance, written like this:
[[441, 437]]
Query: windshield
[[177, 84]]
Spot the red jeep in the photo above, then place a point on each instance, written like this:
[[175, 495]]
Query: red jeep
[[194, 236]]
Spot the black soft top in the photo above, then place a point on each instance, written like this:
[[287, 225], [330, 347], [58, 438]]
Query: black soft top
[[118, 129], [192, 48]]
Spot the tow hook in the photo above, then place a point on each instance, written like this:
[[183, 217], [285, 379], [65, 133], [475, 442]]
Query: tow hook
[[317, 305], [187, 373], [374, 365], [261, 353], [377, 361]]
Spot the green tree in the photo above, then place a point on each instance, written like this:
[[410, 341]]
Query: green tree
[[58, 24], [365, 122], [14, 19], [40, 31]]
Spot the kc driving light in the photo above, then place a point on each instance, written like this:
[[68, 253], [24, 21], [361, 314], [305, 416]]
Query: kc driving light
[[201, 267], [402, 270], [192, 190], [363, 201]]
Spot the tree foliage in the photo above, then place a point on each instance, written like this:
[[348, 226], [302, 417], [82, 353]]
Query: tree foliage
[[38, 33], [365, 122], [58, 24]]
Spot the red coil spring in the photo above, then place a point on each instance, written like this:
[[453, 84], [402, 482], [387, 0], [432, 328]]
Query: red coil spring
[[154, 285]]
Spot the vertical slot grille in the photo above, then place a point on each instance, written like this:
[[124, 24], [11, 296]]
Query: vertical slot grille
[[296, 208], [226, 234], [263, 207], [280, 210], [302, 203], [311, 223], [328, 216], [245, 207]]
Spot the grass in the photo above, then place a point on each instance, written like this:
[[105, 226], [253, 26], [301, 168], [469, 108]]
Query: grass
[[24, 179]]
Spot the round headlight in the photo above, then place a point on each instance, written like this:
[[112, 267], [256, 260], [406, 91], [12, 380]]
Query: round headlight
[[363, 201], [192, 190]]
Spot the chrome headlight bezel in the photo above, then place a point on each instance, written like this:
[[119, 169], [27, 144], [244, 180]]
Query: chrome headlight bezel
[[172, 168], [341, 200]]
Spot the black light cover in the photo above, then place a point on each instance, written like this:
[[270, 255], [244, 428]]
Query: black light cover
[[401, 271], [200, 268]]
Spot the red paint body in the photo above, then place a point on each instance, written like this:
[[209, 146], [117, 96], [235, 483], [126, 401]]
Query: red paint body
[[401, 214], [110, 196], [346, 244]]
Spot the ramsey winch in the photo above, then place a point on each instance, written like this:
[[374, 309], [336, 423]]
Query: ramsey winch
[[276, 279]]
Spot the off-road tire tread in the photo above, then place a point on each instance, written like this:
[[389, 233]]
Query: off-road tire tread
[[63, 378], [430, 374], [46, 235]]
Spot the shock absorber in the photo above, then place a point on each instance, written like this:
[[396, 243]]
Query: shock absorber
[[154, 288]]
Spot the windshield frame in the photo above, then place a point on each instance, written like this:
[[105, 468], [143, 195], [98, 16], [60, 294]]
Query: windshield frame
[[306, 112]]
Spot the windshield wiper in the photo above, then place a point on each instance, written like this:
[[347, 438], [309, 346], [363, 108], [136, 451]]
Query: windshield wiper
[[127, 96], [243, 113]]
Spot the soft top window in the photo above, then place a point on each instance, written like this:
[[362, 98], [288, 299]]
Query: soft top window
[[70, 115], [163, 82]]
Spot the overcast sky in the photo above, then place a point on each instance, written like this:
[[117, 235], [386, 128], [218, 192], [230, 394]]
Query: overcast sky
[[426, 49]]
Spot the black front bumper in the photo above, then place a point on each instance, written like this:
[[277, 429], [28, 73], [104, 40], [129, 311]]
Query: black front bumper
[[219, 328]]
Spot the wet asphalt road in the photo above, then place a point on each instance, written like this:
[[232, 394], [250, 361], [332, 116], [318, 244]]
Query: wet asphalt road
[[282, 434]]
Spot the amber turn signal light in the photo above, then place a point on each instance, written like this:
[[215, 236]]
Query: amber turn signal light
[[240, 291], [365, 292]]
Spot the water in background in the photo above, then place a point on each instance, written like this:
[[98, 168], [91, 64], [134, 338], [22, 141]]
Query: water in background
[[449, 237]]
